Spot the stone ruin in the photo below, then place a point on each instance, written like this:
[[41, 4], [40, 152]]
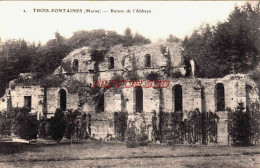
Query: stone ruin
[[184, 93]]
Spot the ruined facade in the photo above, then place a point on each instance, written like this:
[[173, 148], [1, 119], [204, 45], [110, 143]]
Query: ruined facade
[[184, 93]]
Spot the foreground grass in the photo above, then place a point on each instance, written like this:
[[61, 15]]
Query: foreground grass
[[94, 150]]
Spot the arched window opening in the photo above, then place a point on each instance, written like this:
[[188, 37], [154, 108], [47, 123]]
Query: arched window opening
[[96, 69], [139, 99], [248, 96], [147, 60], [111, 62], [177, 97], [76, 65], [101, 104], [220, 97], [63, 99]]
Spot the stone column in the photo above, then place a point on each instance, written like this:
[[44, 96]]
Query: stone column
[[223, 128]]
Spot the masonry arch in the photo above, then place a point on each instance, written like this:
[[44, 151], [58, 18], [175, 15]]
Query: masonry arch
[[147, 60], [220, 96], [76, 65], [177, 97], [63, 99], [111, 62], [138, 99]]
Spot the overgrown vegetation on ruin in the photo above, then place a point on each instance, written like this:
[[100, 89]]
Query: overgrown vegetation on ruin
[[191, 127]]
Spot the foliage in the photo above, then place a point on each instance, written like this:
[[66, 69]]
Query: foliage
[[72, 123], [52, 81], [66, 66], [48, 81], [176, 74], [57, 125], [131, 137], [231, 46], [5, 123], [23, 123], [152, 76], [120, 119], [20, 56], [142, 137], [42, 128], [239, 127], [190, 127], [173, 39]]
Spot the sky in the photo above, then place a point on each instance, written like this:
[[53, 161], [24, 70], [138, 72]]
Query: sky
[[21, 19]]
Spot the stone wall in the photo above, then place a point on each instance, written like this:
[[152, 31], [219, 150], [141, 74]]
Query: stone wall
[[37, 94]]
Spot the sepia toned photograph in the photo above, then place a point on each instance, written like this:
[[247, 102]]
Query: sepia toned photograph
[[130, 84]]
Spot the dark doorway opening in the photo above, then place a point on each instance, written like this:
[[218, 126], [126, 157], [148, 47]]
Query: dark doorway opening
[[147, 60], [220, 97], [139, 99], [111, 63], [101, 103], [63, 99], [28, 102], [177, 90], [76, 65]]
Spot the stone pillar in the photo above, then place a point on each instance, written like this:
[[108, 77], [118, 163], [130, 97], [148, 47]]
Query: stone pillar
[[118, 102], [197, 99], [223, 128]]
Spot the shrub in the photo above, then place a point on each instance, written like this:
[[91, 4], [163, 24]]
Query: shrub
[[152, 76], [5, 123], [24, 123], [131, 137], [141, 139], [176, 74]]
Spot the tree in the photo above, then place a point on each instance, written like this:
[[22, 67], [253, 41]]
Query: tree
[[239, 126], [49, 56], [231, 46], [72, 123], [58, 125], [173, 39]]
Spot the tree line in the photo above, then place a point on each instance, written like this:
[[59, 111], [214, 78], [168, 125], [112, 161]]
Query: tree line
[[231, 46]]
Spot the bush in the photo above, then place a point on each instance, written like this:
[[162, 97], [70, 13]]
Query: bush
[[176, 74], [131, 137], [5, 123], [141, 139], [24, 123]]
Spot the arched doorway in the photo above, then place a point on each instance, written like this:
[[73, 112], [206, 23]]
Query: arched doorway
[[139, 99], [76, 65], [147, 60], [63, 99], [177, 97], [111, 63], [220, 97]]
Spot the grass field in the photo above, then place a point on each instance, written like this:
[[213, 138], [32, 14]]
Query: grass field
[[113, 154]]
